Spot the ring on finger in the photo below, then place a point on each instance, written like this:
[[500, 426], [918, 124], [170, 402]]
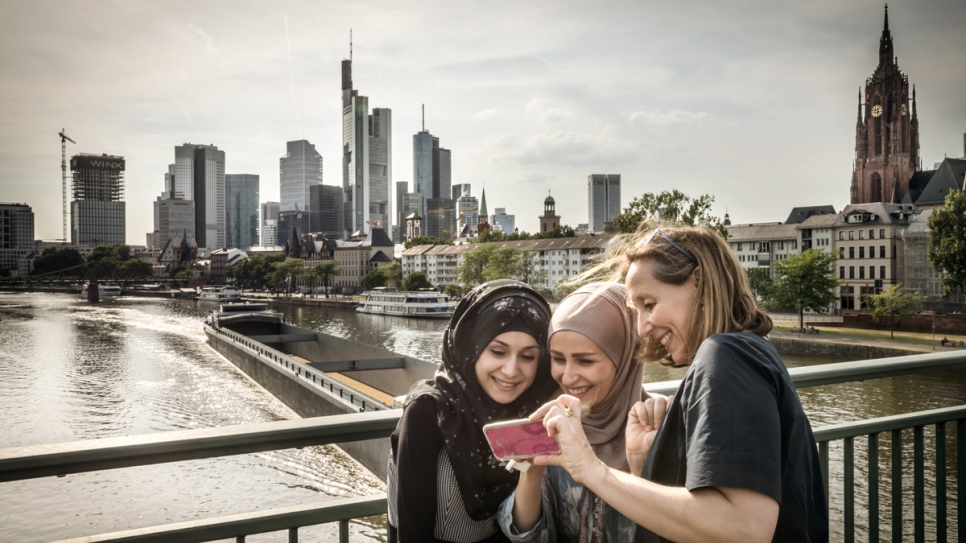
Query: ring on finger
[[568, 412]]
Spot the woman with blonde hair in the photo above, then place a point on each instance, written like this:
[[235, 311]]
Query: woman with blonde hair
[[734, 459]]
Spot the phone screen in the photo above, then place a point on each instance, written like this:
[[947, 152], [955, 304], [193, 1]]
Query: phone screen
[[519, 439]]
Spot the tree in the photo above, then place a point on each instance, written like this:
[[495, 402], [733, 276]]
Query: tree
[[426, 240], [287, 271], [375, 278], [947, 242], [761, 282], [255, 271], [528, 269], [54, 260], [804, 281], [673, 206], [136, 266], [503, 264], [325, 272], [416, 281], [393, 274], [894, 302], [452, 290], [471, 271], [561, 231]]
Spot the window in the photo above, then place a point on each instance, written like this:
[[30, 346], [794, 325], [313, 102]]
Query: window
[[795, 244], [841, 272], [841, 234], [781, 244], [881, 233], [851, 272], [882, 251], [861, 251], [871, 251], [861, 272], [871, 272], [740, 246], [851, 234], [871, 233], [861, 234], [851, 252], [882, 272], [841, 252]]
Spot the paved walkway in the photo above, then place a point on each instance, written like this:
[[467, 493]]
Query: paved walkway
[[886, 343]]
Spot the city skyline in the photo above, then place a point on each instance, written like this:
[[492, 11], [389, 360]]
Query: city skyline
[[753, 103]]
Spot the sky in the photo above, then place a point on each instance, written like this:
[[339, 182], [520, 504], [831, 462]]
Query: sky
[[751, 101]]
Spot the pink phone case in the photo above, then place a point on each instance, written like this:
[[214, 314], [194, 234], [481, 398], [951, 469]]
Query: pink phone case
[[519, 439]]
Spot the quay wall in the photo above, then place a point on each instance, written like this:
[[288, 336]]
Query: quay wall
[[835, 349], [301, 396]]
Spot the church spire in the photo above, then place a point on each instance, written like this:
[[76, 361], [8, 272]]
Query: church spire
[[859, 116], [914, 115], [885, 42]]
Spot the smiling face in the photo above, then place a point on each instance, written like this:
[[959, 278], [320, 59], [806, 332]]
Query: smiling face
[[663, 310], [507, 366], [580, 367]]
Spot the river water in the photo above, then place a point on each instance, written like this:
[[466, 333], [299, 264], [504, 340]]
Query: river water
[[71, 370]]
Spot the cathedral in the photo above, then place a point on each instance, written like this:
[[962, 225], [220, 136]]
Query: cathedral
[[886, 131]]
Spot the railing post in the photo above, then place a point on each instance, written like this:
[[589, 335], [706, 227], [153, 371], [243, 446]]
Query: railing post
[[848, 487], [941, 483], [873, 487], [344, 531], [897, 486], [919, 485], [961, 473]]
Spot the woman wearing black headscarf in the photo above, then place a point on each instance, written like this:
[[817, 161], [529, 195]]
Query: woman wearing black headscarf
[[444, 483]]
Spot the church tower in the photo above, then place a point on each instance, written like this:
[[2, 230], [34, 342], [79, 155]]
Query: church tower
[[886, 131], [550, 219]]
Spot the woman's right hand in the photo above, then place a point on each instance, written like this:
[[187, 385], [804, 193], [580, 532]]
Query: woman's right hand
[[643, 422], [561, 417]]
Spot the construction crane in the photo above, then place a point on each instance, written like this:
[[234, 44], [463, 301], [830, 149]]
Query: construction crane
[[63, 172]]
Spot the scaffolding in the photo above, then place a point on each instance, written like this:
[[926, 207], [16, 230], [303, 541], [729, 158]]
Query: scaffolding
[[97, 177]]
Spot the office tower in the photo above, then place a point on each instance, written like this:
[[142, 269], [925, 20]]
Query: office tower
[[603, 200], [459, 190], [199, 175], [16, 237], [269, 223], [401, 188], [299, 169], [431, 167], [97, 205], [242, 212], [325, 209], [503, 222], [467, 214], [440, 218], [291, 219], [366, 159], [176, 219]]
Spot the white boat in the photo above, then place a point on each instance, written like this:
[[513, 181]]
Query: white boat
[[401, 303], [218, 294], [103, 290]]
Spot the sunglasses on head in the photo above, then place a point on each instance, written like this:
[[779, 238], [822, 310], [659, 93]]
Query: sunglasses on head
[[659, 232]]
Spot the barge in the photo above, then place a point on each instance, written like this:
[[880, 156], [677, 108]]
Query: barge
[[313, 373]]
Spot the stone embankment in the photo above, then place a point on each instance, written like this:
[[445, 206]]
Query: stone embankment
[[848, 348]]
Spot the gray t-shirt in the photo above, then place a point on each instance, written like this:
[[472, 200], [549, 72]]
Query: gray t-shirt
[[736, 421]]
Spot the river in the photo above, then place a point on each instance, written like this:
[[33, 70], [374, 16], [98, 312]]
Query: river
[[71, 370]]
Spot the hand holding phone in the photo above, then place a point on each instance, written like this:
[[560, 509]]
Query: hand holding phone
[[519, 439]]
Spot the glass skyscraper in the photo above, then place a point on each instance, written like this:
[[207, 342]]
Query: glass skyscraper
[[242, 212], [603, 200], [299, 169]]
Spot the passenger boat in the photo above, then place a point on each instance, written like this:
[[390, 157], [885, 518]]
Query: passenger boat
[[314, 373], [401, 303], [103, 290], [218, 294]]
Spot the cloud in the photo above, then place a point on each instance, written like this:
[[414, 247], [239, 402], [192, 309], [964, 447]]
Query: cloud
[[546, 114], [485, 114], [563, 148], [659, 117], [211, 50]]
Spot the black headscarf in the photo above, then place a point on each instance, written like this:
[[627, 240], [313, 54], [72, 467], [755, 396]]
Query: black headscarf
[[463, 407]]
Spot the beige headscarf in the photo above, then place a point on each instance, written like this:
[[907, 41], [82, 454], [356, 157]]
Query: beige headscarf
[[599, 311]]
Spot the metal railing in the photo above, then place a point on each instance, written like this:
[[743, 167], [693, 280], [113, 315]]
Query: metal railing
[[35, 461]]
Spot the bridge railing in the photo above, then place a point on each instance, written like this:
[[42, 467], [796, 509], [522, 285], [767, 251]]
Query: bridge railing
[[28, 462]]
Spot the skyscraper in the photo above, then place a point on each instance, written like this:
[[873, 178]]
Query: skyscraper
[[401, 188], [176, 219], [199, 175], [366, 158], [325, 208], [16, 236], [269, 229], [97, 206], [502, 221], [242, 214], [432, 179], [299, 169], [603, 200]]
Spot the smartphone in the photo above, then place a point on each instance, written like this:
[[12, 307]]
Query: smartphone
[[519, 439]]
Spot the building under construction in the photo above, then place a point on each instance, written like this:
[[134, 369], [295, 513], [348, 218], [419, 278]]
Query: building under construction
[[97, 203]]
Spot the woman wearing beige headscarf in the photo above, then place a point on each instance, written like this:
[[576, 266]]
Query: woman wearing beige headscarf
[[593, 348]]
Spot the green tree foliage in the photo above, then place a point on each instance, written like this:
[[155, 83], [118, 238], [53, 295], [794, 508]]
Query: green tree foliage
[[287, 273], [375, 278], [471, 271], [504, 264], [563, 231], [672, 206], [393, 273], [528, 269], [804, 281], [416, 281], [115, 260], [894, 302], [325, 271], [761, 282], [426, 240], [255, 271], [491, 236], [136, 266], [452, 290], [53, 260], [947, 242]]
